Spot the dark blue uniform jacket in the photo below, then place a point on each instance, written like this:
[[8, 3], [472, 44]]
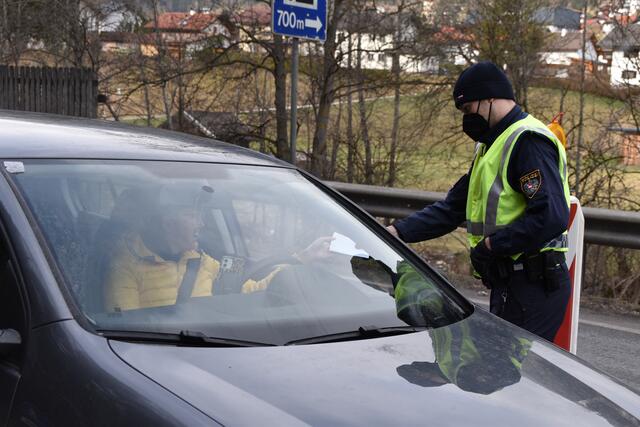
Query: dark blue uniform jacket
[[546, 215]]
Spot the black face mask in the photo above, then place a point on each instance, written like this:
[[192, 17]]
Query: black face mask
[[474, 125]]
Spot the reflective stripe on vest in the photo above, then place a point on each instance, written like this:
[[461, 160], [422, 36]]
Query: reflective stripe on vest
[[491, 196]]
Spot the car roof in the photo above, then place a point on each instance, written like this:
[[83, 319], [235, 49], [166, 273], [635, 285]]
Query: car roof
[[26, 135]]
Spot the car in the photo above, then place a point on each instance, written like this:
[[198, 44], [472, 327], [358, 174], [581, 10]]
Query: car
[[156, 278]]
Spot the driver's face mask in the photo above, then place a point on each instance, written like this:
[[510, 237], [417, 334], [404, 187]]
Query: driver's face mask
[[474, 125]]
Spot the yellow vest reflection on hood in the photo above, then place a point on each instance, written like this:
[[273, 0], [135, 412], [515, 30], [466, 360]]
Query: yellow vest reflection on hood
[[482, 366]]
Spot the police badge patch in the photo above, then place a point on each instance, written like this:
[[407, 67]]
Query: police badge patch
[[531, 183]]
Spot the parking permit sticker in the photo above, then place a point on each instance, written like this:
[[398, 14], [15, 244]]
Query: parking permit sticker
[[14, 167]]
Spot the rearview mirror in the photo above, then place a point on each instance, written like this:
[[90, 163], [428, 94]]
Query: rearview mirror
[[9, 340]]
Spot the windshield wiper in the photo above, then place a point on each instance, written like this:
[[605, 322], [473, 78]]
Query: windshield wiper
[[183, 338], [363, 332]]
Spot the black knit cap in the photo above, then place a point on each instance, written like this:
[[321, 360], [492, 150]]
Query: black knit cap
[[483, 80]]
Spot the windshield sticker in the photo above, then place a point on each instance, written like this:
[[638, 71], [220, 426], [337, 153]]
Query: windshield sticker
[[14, 167]]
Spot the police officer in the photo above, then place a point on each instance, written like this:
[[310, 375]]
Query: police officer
[[515, 201]]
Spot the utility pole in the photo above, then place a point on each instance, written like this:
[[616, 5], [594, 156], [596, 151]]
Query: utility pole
[[582, 75]]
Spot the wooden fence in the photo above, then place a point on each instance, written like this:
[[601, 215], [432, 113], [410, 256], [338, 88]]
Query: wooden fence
[[67, 91]]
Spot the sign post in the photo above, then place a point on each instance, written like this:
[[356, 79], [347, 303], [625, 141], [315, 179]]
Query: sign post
[[294, 99], [300, 19]]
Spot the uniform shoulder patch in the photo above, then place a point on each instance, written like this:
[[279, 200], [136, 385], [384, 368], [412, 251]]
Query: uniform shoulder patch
[[531, 183]]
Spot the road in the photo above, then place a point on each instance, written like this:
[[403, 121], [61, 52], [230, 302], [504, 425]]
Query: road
[[610, 343], [613, 351]]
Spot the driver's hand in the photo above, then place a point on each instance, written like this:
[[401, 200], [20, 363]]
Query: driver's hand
[[316, 251]]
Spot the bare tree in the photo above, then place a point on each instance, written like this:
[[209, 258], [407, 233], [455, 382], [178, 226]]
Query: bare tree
[[330, 66], [507, 33], [15, 31]]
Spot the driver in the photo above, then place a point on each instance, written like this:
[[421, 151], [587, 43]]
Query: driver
[[149, 267]]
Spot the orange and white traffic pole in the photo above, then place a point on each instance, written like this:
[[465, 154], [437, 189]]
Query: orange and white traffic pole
[[567, 335]]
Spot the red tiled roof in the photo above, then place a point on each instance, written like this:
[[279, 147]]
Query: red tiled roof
[[451, 34], [183, 22]]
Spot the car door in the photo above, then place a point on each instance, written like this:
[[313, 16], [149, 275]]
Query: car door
[[12, 317]]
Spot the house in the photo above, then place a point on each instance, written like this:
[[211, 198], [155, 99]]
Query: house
[[191, 22], [121, 42], [562, 54], [623, 46], [376, 36], [118, 42], [630, 144], [110, 16], [369, 36], [558, 18], [250, 26], [629, 7], [189, 32], [452, 47]]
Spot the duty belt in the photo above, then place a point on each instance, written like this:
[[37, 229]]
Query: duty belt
[[479, 229], [534, 265]]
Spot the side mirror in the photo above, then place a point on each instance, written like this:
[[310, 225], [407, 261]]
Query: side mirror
[[9, 340]]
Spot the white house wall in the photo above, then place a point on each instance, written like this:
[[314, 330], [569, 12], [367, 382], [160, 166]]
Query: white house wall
[[110, 18], [633, 6], [567, 58], [558, 58], [374, 57], [619, 64]]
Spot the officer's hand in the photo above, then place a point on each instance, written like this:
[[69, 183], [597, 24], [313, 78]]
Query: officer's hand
[[317, 250], [391, 229], [481, 259]]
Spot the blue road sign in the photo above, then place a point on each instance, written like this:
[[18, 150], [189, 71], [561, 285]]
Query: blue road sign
[[306, 19]]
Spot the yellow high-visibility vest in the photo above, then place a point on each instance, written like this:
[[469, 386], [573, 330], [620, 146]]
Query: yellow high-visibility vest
[[491, 201]]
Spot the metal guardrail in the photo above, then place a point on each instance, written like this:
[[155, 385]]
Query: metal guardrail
[[602, 226]]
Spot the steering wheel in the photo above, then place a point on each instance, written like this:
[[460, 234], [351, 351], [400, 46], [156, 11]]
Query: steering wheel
[[263, 267]]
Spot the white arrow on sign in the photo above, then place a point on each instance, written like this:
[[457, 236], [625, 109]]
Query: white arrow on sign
[[315, 23]]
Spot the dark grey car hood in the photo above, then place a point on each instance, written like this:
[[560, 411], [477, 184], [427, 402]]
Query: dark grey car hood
[[393, 381]]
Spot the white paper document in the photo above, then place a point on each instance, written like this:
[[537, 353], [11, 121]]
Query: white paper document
[[341, 244]]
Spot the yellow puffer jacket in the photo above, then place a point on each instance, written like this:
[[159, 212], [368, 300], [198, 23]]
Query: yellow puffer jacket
[[138, 278]]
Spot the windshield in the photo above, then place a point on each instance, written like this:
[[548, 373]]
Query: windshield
[[239, 252]]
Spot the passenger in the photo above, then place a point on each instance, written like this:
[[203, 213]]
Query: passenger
[[149, 267]]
